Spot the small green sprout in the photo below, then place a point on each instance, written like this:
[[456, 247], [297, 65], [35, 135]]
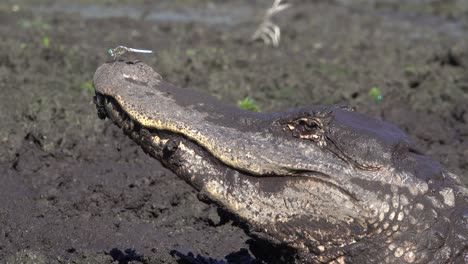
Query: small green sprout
[[87, 86], [190, 52], [375, 94], [410, 68], [110, 52], [45, 42], [248, 104]]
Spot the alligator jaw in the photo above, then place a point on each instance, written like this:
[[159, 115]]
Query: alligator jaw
[[255, 200], [318, 194]]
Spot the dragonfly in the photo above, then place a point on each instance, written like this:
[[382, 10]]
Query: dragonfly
[[119, 51]]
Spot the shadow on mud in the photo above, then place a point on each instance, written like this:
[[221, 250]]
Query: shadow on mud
[[241, 256], [126, 256], [263, 252]]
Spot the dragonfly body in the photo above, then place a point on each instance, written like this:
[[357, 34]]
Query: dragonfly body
[[119, 51]]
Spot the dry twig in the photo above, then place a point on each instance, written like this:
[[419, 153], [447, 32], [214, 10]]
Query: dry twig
[[268, 31]]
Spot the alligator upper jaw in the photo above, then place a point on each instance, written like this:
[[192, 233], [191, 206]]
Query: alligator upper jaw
[[251, 142]]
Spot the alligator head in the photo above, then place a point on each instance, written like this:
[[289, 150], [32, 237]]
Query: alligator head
[[335, 185]]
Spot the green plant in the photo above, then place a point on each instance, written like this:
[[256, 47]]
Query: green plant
[[248, 104], [375, 94], [87, 86], [45, 42]]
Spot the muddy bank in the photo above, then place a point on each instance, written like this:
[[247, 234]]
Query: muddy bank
[[74, 189]]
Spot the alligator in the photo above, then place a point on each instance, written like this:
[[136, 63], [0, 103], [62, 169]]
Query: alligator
[[329, 183]]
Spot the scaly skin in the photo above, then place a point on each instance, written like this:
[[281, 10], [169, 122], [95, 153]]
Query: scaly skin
[[335, 185]]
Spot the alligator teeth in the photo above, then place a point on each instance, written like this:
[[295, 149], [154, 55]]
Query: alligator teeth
[[128, 126]]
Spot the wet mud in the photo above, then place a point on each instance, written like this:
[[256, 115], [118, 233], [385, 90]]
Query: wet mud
[[74, 189]]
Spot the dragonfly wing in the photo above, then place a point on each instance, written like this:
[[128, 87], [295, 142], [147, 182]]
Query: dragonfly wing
[[140, 50]]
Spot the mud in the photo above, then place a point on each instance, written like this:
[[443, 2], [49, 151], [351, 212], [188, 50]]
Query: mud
[[74, 189]]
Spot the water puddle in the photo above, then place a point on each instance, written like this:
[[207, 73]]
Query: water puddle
[[415, 13], [213, 15], [235, 13], [450, 27]]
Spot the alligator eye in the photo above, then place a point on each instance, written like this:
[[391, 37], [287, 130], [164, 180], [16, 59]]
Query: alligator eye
[[309, 124], [307, 128]]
